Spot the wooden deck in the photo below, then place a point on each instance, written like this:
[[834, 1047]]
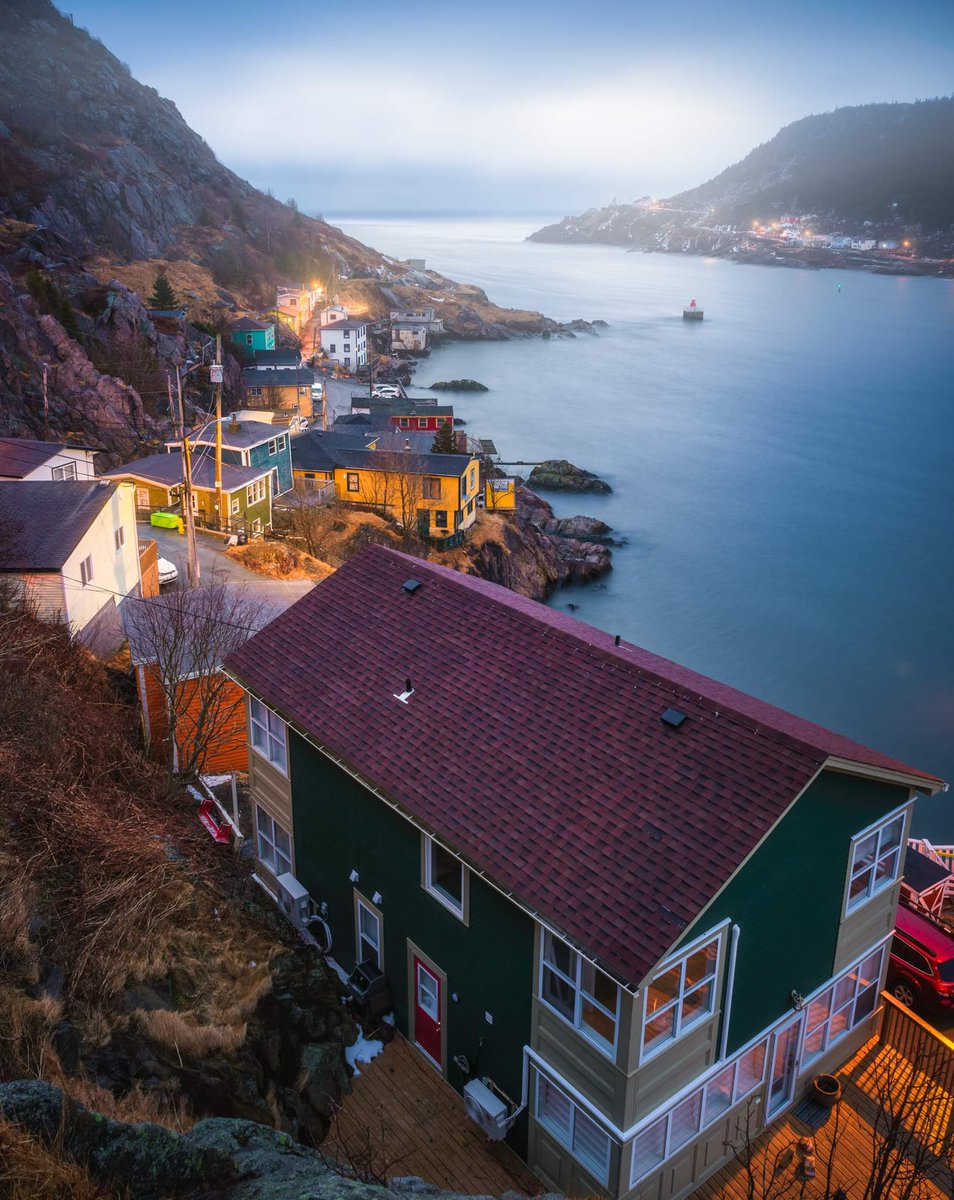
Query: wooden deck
[[404, 1119], [845, 1138]]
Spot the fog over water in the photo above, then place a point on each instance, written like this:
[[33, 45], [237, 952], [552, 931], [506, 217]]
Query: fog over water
[[782, 472]]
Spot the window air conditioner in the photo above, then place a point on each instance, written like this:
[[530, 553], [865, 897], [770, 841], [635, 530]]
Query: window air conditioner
[[485, 1109]]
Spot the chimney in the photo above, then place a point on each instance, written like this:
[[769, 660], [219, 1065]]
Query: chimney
[[234, 424]]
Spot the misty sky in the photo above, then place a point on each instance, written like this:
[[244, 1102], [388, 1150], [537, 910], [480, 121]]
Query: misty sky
[[508, 106]]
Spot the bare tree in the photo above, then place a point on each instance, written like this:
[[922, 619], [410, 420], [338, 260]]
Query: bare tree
[[182, 640]]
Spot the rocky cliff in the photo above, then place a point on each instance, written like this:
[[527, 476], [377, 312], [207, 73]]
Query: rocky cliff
[[885, 164]]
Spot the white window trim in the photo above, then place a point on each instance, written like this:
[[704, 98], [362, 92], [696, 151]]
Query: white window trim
[[362, 903], [431, 888], [828, 1041], [567, 1142], [65, 473], [261, 754], [719, 931], [609, 1051], [272, 841], [86, 571], [901, 810]]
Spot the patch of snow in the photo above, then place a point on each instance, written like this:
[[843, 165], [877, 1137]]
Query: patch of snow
[[388, 1018], [362, 1051], [196, 793], [337, 968], [215, 780]]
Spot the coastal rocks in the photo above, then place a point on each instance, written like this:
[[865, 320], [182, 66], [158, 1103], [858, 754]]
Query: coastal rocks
[[458, 385], [558, 475], [218, 1157]]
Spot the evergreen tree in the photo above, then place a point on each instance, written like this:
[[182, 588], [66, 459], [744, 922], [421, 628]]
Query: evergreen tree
[[445, 441], [162, 294]]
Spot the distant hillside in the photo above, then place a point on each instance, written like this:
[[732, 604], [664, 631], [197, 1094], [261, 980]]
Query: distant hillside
[[888, 164]]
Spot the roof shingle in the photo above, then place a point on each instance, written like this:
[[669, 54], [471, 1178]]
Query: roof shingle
[[42, 522]]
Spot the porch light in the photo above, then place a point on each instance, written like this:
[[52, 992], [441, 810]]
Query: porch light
[[797, 999]]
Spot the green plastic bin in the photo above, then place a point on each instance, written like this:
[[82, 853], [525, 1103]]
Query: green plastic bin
[[165, 520]]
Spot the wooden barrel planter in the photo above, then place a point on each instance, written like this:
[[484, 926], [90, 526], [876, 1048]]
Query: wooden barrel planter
[[826, 1090]]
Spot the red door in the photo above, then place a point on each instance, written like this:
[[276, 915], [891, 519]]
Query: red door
[[427, 1012]]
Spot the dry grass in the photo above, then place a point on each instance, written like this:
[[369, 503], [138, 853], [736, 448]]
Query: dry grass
[[180, 1031], [184, 276], [278, 561], [31, 1171]]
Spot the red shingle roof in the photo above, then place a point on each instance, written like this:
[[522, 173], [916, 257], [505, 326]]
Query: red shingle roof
[[533, 746]]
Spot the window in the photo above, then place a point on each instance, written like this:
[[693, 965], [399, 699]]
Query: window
[[195, 502], [440, 519], [579, 992], [86, 570], [67, 471], [473, 478], [368, 933], [119, 537], [680, 996], [248, 339], [255, 391], [850, 999], [234, 506], [255, 491], [347, 359], [908, 954], [444, 877], [432, 487], [695, 1112], [353, 481], [422, 422], [268, 735], [274, 843], [332, 349], [875, 860], [405, 422], [572, 1128], [273, 446], [282, 441], [142, 497]]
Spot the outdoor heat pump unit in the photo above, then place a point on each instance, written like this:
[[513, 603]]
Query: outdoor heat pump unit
[[294, 900], [485, 1109]]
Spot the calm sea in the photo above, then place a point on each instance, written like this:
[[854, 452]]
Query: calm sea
[[782, 472]]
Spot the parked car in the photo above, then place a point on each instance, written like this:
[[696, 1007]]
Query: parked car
[[386, 391], [168, 572], [921, 966]]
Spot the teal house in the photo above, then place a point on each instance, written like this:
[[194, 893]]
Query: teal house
[[617, 905], [250, 444], [253, 334]]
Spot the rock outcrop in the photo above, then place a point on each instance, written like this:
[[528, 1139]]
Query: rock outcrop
[[558, 475]]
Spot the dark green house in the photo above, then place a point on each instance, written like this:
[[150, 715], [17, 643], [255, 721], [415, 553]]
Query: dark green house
[[614, 901]]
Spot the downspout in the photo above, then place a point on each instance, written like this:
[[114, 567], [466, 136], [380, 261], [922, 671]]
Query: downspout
[[730, 987]]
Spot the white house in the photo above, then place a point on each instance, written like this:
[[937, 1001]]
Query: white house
[[332, 315], [346, 342], [28, 460], [71, 551]]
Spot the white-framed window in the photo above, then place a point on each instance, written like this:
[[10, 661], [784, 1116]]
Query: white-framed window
[[234, 506], [255, 391], [142, 497], [282, 441], [195, 501], [119, 537], [274, 843], [368, 934], [268, 735], [273, 446], [65, 472], [841, 1007], [680, 995], [249, 340], [579, 992], [444, 877], [694, 1112], [255, 491], [574, 1129], [875, 860], [86, 570]]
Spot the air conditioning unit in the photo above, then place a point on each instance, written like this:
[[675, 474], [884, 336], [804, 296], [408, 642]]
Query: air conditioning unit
[[485, 1109], [294, 899]]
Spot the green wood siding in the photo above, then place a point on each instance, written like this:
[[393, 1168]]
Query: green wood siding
[[787, 899], [340, 827]]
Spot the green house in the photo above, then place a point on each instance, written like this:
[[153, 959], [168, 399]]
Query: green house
[[253, 334], [615, 902]]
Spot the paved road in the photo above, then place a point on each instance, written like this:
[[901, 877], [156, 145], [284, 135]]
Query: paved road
[[215, 565]]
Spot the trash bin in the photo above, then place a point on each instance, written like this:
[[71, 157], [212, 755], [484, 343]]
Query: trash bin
[[242, 538], [369, 989]]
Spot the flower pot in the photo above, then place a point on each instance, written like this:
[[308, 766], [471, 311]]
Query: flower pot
[[826, 1090]]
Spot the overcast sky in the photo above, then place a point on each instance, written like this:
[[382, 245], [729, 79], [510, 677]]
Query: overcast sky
[[507, 106]]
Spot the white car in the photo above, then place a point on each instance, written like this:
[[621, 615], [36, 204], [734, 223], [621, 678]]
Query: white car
[[386, 391], [168, 572]]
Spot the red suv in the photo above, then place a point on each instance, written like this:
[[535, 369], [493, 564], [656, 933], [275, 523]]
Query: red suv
[[921, 967]]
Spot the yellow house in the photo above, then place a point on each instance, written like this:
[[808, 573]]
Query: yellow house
[[279, 389], [500, 494]]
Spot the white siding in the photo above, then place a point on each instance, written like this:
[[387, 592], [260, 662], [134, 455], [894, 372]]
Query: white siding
[[114, 571], [82, 458]]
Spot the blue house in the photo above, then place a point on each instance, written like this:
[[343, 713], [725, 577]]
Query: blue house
[[254, 335], [250, 444]]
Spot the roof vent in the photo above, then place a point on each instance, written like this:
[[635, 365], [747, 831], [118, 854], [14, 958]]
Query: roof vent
[[410, 586], [673, 718], [406, 694]]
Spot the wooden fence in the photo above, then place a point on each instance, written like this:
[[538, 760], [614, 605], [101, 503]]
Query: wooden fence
[[930, 1057]]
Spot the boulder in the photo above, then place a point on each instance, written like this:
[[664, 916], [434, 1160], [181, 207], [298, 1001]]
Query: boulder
[[324, 1076], [556, 474]]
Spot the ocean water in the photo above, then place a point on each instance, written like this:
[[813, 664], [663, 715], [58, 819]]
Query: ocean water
[[782, 472]]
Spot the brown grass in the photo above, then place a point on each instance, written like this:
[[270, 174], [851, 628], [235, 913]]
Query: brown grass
[[278, 561], [182, 1032], [31, 1171]]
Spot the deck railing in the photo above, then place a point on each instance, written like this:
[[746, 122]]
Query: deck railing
[[942, 855], [930, 1056]]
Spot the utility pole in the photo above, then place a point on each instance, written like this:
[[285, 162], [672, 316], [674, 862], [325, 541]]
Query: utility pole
[[188, 514], [216, 373], [46, 404]]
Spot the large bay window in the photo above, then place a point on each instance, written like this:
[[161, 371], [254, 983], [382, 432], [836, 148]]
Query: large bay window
[[569, 1124], [680, 995], [268, 735], [579, 992], [875, 861]]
